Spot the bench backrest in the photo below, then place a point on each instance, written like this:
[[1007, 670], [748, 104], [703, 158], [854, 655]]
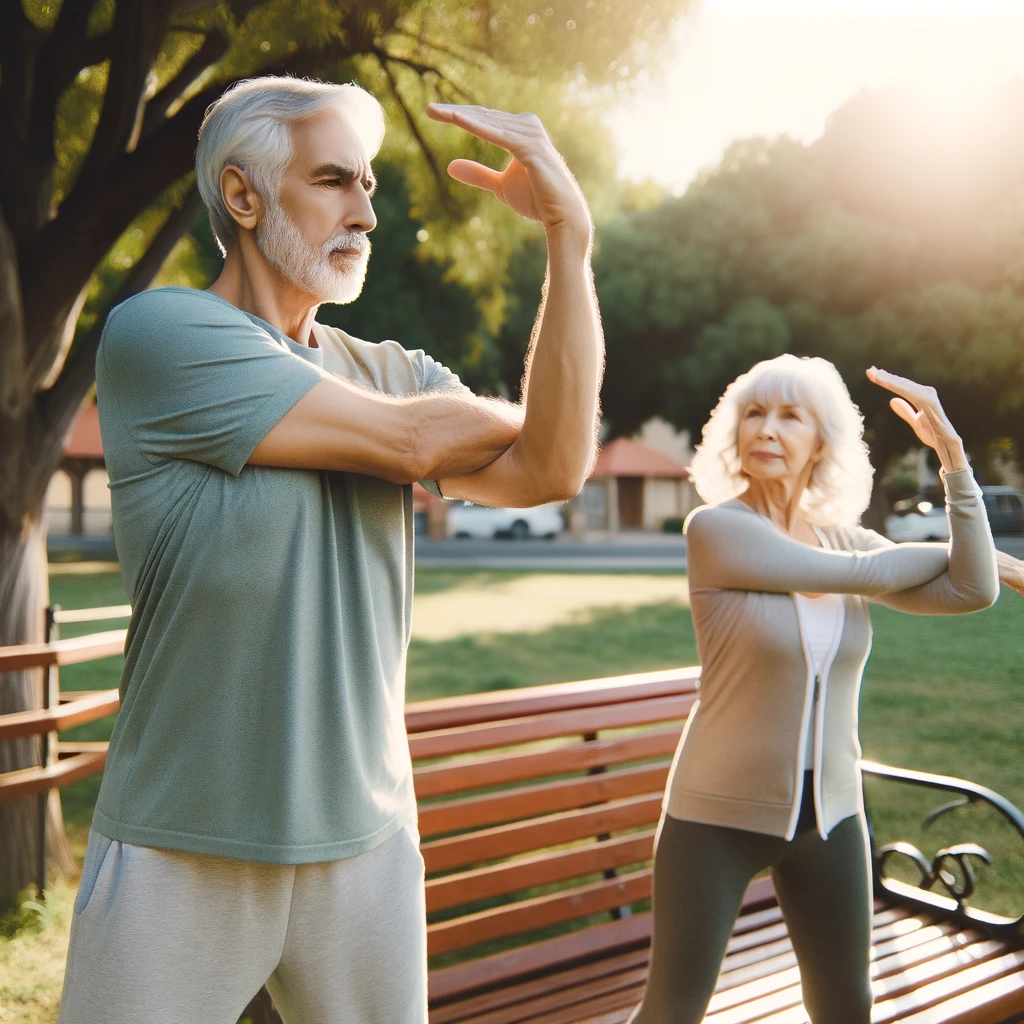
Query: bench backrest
[[537, 813]]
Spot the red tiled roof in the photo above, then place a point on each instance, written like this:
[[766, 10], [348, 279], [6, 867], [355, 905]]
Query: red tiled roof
[[625, 457], [83, 439]]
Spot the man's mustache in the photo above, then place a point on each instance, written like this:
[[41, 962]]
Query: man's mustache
[[356, 241]]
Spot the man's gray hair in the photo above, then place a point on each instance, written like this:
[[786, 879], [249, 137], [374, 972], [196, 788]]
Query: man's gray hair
[[249, 127]]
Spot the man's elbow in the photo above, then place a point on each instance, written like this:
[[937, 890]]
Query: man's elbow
[[558, 487]]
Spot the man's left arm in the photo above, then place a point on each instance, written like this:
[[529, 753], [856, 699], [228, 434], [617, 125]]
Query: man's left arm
[[554, 452]]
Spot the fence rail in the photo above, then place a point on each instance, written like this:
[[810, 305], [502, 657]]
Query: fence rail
[[61, 763]]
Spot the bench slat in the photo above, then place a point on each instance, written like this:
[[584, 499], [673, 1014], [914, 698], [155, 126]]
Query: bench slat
[[499, 969], [540, 833], [471, 738], [517, 995], [994, 1003], [943, 963], [472, 708], [539, 912], [515, 965], [954, 984], [516, 875], [545, 798], [477, 773]]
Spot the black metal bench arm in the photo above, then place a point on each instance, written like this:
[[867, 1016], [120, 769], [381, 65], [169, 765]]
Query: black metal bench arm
[[958, 889]]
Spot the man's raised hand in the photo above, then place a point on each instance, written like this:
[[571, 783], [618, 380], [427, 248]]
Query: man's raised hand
[[536, 183]]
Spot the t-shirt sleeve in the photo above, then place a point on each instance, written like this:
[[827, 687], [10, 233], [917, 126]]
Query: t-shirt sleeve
[[190, 379], [436, 378]]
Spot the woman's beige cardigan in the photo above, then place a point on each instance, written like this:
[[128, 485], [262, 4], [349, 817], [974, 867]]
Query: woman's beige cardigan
[[739, 761]]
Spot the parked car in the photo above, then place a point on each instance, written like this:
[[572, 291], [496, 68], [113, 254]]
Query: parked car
[[919, 518], [1005, 508], [466, 519]]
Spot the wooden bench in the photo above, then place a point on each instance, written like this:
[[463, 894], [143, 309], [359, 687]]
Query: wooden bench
[[538, 810]]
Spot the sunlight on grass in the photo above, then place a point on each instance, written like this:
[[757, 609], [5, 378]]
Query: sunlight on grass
[[537, 602], [32, 953]]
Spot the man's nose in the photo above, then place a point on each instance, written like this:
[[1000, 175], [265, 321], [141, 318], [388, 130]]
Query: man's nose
[[359, 215]]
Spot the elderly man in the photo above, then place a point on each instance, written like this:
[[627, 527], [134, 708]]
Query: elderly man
[[257, 821]]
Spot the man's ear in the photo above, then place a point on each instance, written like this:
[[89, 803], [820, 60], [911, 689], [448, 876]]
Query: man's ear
[[242, 200]]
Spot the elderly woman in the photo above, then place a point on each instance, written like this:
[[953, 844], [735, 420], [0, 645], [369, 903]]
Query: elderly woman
[[766, 774]]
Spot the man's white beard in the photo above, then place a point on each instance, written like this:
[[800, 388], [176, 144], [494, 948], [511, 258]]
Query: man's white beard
[[328, 278]]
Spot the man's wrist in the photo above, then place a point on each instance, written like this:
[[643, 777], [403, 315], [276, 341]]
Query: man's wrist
[[572, 236]]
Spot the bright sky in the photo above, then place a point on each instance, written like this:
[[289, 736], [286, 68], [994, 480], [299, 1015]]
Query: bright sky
[[770, 67]]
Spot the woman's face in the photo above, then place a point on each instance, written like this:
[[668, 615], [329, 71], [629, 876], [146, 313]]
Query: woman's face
[[778, 441]]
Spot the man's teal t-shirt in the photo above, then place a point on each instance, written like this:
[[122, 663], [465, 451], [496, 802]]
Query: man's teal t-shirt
[[263, 688]]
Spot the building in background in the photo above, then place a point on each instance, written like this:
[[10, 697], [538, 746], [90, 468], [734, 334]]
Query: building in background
[[77, 500], [636, 487]]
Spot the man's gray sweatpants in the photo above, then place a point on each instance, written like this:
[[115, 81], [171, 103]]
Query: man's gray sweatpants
[[163, 937]]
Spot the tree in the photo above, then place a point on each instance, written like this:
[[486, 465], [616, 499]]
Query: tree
[[889, 241], [100, 103]]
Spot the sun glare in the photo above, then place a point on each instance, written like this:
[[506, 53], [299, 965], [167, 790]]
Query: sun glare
[[744, 68]]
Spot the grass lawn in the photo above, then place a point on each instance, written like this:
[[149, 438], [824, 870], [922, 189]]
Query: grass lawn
[[943, 695]]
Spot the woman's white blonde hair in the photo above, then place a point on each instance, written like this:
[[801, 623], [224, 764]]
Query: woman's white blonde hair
[[249, 127], [839, 489]]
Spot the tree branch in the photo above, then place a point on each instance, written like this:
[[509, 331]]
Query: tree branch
[[59, 260], [59, 405], [213, 49], [466, 58], [19, 43], [139, 28], [14, 392], [428, 153], [424, 69]]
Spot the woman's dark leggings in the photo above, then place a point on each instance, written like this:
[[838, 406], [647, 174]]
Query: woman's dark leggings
[[824, 890]]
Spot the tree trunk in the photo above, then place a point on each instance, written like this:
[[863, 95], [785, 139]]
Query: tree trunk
[[24, 595]]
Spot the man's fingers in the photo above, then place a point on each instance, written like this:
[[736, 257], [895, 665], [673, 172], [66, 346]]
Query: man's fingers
[[469, 172], [512, 132]]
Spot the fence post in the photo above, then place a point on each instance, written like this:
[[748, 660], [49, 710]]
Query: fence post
[[51, 697]]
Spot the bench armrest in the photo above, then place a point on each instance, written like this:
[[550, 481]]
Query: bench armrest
[[947, 881]]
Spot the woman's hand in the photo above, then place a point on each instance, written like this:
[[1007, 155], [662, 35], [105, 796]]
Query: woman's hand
[[919, 405]]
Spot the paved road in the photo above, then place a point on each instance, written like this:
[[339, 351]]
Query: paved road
[[637, 552], [640, 551]]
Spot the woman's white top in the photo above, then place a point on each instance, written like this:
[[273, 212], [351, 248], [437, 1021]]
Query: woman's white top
[[822, 619]]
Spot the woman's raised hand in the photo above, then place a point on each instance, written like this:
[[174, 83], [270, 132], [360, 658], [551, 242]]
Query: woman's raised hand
[[919, 405]]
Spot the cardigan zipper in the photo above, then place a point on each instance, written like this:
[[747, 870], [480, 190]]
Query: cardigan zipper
[[818, 713], [813, 717]]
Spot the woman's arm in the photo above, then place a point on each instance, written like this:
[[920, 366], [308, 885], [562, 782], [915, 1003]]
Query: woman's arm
[[971, 582], [737, 549]]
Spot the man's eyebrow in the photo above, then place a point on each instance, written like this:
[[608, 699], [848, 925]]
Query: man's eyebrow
[[346, 174]]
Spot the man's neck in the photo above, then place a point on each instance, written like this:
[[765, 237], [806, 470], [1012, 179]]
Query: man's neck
[[256, 287]]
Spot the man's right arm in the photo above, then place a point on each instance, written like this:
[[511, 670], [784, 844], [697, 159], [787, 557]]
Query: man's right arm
[[341, 426]]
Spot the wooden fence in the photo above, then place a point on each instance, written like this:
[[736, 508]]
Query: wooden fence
[[60, 763]]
